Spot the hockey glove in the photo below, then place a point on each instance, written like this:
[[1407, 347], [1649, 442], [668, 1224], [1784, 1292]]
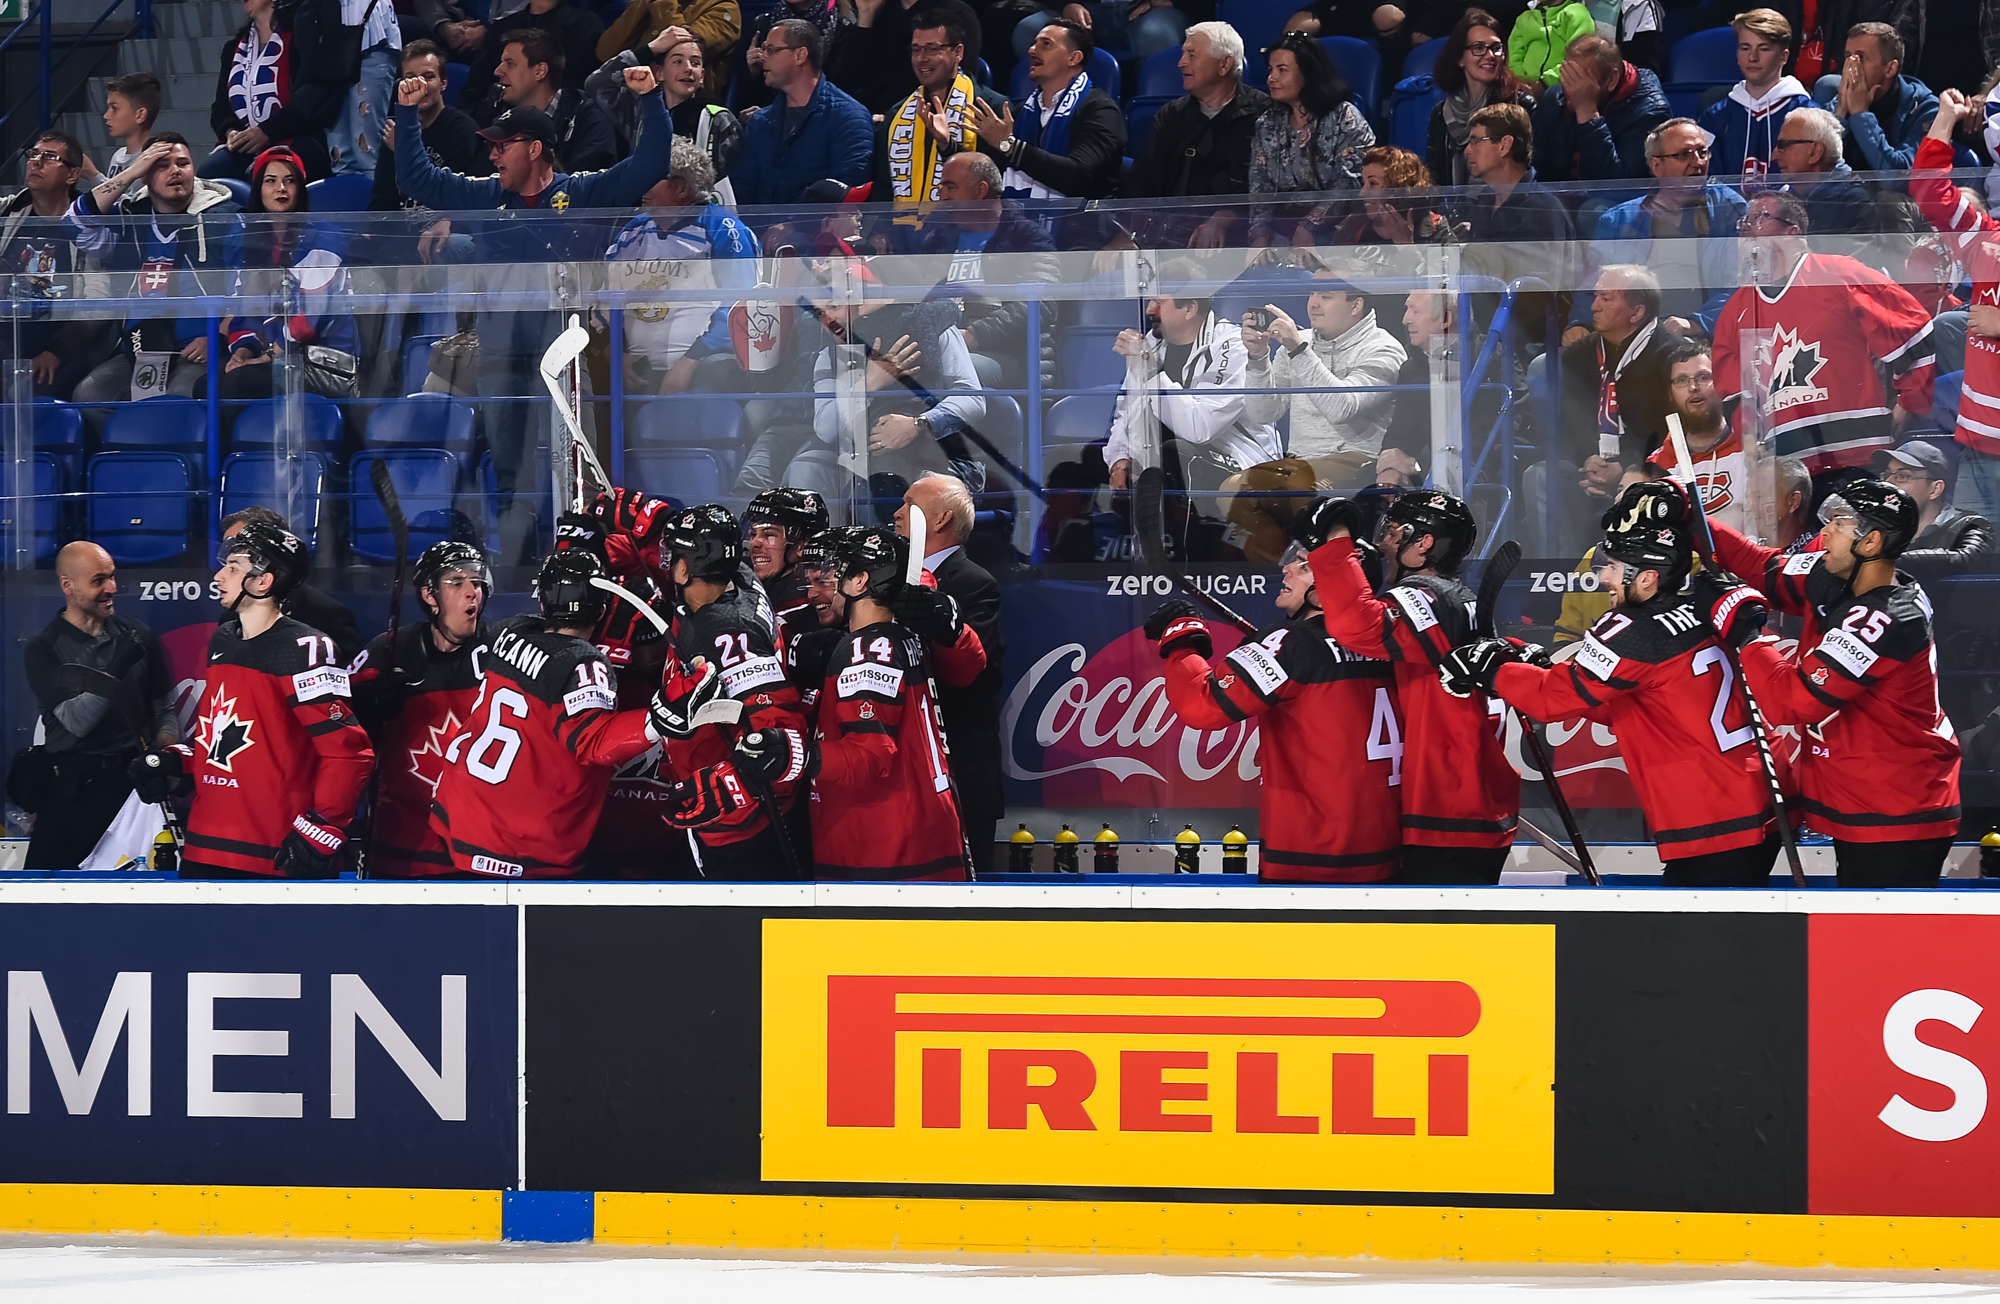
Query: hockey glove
[[1316, 524], [705, 797], [775, 755], [674, 707], [1176, 628], [1533, 654], [1736, 612], [930, 615], [624, 625], [806, 657], [629, 511], [159, 775], [311, 849], [1474, 667], [576, 530]]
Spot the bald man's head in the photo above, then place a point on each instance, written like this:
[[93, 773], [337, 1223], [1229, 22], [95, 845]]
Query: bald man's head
[[89, 580]]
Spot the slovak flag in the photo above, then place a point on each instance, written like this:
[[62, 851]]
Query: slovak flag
[[760, 330]]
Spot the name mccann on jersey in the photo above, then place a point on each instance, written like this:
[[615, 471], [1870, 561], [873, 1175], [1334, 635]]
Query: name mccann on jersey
[[518, 653]]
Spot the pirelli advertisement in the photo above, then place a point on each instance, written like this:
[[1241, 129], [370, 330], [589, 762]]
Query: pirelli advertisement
[[1584, 1060]]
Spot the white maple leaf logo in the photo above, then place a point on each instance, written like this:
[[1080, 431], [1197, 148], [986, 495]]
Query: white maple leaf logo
[[440, 737]]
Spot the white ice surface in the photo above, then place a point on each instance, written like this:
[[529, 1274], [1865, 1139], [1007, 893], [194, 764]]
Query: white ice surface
[[162, 1271]]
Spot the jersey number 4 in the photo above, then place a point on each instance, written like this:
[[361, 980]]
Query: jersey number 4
[[1385, 740]]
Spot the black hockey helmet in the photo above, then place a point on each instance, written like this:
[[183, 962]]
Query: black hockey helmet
[[1443, 516], [563, 588], [272, 550], [707, 538], [1877, 505], [801, 513], [822, 551], [877, 552], [441, 559]]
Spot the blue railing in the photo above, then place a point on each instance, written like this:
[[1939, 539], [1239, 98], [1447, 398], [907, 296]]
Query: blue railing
[[42, 17]]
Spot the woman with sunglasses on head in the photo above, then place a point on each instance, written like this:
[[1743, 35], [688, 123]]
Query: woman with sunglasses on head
[[1311, 139], [1472, 72]]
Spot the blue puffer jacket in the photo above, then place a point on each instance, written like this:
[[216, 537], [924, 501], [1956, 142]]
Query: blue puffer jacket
[[1697, 275], [837, 140], [1610, 146], [1889, 146]]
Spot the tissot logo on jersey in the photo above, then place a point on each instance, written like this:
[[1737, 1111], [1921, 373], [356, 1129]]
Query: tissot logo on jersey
[[1377, 1057], [884, 681]]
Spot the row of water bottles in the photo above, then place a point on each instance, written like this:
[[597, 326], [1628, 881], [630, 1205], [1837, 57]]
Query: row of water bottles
[[1068, 848]]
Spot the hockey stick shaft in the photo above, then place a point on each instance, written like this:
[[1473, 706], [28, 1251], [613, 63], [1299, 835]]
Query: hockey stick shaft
[[1548, 843], [1759, 732], [399, 528], [1149, 518]]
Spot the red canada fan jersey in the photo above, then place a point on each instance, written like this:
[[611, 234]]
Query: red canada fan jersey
[[1331, 748], [1658, 678], [276, 737], [1973, 238], [1819, 336], [735, 635], [882, 803], [410, 746], [1459, 789], [525, 779]]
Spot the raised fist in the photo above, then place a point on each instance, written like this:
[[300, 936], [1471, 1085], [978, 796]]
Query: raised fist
[[1736, 612], [1176, 628], [1325, 517]]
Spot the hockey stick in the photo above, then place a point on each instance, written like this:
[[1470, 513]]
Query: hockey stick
[[1758, 730], [102, 683], [1149, 522], [1491, 580], [399, 529], [564, 353]]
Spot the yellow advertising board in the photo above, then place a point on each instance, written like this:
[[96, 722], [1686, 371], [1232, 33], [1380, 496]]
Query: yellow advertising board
[[1266, 1056]]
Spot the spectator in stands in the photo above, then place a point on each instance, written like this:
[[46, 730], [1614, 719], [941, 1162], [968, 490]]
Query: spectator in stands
[[1310, 139], [1338, 434], [1886, 114], [747, 84], [1472, 72], [531, 74], [450, 134], [1145, 27], [449, 24], [87, 737], [1519, 226], [173, 254], [131, 110], [1540, 43], [1720, 469], [1743, 127], [1781, 491], [38, 250], [262, 98], [871, 58], [1430, 319], [1615, 400], [354, 140], [1945, 534], [320, 337], [775, 345], [1684, 229], [934, 121], [1593, 125], [679, 66], [813, 130], [308, 603], [1070, 141], [715, 25], [683, 241], [979, 223], [1204, 142], [571, 28], [1381, 25], [1182, 399], [1398, 203], [1808, 156]]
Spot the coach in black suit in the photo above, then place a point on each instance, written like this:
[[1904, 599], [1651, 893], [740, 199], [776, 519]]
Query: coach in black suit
[[972, 713]]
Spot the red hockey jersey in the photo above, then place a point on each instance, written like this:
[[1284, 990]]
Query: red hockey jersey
[[631, 841], [410, 740], [1459, 789], [277, 736], [1331, 748], [525, 779], [1976, 239], [1658, 678], [1880, 761], [882, 804], [1814, 343]]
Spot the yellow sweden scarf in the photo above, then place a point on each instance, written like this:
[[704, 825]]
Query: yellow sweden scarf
[[912, 153]]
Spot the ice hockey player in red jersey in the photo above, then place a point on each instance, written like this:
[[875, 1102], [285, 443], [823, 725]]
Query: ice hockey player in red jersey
[[1878, 772], [525, 779], [1332, 745], [1814, 327], [723, 623], [882, 802], [279, 759], [1651, 668], [810, 629], [1461, 796], [415, 699], [777, 524]]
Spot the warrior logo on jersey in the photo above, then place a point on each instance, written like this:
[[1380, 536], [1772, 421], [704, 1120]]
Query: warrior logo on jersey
[[224, 734], [1793, 364], [440, 734]]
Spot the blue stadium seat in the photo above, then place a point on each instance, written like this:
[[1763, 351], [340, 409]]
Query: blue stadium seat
[[344, 193], [1422, 59], [139, 506], [417, 361], [687, 476], [1410, 110], [238, 190], [1361, 64], [170, 424], [1259, 23], [252, 479], [535, 497], [1106, 308], [1085, 360], [257, 425], [454, 80], [1079, 419], [1139, 115], [1160, 75], [59, 433], [424, 421], [426, 481], [1001, 427], [981, 74], [1705, 57], [1101, 66], [50, 481], [695, 420]]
